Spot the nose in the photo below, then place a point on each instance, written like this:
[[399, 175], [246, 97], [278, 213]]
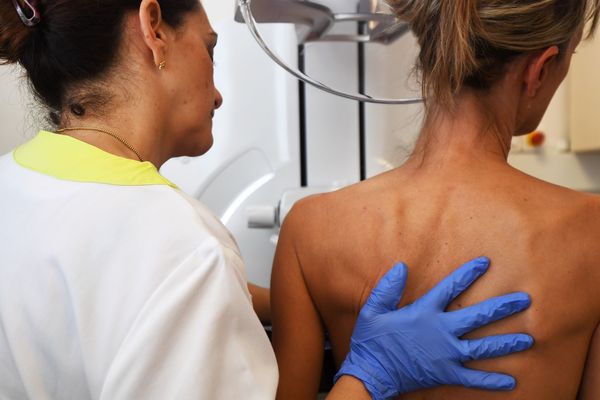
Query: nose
[[218, 99]]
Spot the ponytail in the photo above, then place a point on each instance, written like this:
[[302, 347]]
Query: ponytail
[[453, 60]]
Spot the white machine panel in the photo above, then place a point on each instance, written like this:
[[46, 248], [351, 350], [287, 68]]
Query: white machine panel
[[391, 131], [332, 122]]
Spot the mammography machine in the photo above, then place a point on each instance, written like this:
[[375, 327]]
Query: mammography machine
[[278, 139]]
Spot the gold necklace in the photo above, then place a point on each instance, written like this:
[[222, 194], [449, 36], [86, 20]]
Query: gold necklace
[[120, 139]]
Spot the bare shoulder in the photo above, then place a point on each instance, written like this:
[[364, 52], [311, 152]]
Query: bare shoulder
[[588, 206], [553, 199], [581, 209], [329, 223], [571, 222], [326, 211], [585, 220]]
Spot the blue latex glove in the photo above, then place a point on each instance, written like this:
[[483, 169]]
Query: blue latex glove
[[395, 351]]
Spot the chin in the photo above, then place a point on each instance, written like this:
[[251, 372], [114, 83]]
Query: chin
[[197, 142], [204, 151], [522, 133], [527, 128], [203, 147], [194, 149]]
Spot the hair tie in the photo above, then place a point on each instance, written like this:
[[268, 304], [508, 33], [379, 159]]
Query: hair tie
[[30, 7]]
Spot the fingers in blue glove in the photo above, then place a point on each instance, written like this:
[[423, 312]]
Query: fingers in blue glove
[[495, 346], [388, 292], [486, 380], [457, 282], [486, 312], [390, 363]]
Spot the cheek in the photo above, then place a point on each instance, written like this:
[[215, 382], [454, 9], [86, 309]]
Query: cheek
[[201, 75], [194, 88], [197, 88]]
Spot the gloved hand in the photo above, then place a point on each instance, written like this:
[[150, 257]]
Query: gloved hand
[[395, 351]]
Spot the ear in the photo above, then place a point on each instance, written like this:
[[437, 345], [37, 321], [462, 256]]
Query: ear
[[153, 30], [537, 69]]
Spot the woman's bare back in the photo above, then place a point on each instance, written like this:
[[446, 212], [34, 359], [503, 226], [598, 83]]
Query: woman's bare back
[[541, 239]]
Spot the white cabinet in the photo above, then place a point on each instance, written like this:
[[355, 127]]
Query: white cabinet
[[584, 113]]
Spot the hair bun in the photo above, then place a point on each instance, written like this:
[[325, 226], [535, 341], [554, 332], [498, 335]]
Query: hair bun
[[14, 35]]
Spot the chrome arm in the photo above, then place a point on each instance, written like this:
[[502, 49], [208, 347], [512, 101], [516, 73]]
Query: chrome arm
[[244, 6]]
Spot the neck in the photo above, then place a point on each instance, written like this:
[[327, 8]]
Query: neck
[[137, 124], [471, 132]]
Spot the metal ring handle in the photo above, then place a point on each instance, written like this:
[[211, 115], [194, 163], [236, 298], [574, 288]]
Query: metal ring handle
[[251, 23]]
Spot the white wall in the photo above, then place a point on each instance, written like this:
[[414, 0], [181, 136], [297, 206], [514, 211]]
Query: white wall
[[16, 110], [217, 10]]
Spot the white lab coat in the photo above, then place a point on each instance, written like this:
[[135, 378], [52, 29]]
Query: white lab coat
[[116, 285]]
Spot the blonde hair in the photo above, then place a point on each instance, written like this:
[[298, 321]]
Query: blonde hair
[[470, 42]]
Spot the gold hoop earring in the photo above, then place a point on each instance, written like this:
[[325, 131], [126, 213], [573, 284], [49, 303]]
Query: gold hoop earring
[[162, 65]]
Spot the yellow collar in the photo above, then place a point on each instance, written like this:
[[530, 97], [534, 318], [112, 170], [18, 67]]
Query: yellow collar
[[67, 158]]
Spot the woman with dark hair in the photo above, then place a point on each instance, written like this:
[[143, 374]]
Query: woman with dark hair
[[488, 69], [116, 285]]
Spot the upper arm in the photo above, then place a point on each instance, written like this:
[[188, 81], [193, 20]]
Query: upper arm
[[298, 337], [261, 301], [590, 384]]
